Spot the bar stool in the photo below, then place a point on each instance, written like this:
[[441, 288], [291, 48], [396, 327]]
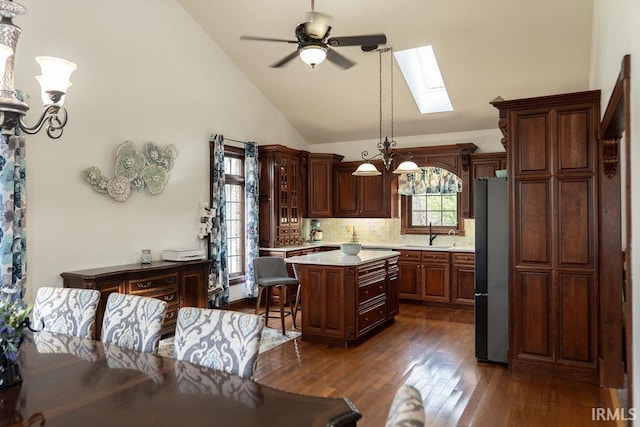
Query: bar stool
[[270, 272]]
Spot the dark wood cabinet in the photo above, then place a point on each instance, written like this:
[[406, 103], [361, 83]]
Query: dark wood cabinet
[[463, 278], [281, 196], [179, 284], [484, 165], [553, 189], [320, 185], [361, 196], [435, 280], [342, 305], [409, 272]]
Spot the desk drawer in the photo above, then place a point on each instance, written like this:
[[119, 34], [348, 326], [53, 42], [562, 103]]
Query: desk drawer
[[144, 285]]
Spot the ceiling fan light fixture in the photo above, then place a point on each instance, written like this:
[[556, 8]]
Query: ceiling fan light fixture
[[313, 55], [407, 167], [366, 169]]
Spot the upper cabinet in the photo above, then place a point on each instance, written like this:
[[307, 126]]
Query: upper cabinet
[[484, 165], [281, 195], [320, 185], [362, 196]]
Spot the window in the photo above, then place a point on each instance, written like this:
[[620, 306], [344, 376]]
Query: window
[[431, 201], [234, 192]]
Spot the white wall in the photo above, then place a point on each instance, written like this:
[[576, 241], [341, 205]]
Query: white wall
[[615, 34], [146, 72]]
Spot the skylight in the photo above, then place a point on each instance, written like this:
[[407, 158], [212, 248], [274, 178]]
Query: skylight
[[420, 70]]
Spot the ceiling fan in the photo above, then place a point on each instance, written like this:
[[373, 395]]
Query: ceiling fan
[[315, 45]]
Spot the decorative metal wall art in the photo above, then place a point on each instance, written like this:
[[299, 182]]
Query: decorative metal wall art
[[134, 170]]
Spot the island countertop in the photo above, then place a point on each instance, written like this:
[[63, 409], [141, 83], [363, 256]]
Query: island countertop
[[338, 258]]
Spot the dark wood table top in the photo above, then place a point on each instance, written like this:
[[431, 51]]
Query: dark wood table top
[[69, 382]]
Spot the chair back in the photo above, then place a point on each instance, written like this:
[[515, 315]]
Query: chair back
[[406, 409], [225, 340], [133, 322], [268, 267], [66, 311]]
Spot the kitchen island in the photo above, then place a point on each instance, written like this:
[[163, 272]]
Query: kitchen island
[[346, 298]]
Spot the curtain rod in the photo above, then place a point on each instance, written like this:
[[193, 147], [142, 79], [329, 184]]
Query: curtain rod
[[233, 140]]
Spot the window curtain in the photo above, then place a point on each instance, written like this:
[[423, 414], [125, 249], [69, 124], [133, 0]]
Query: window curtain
[[429, 180], [251, 180], [219, 278], [13, 232]]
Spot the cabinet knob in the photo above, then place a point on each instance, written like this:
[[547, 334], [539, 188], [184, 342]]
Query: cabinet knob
[[169, 297], [170, 315], [144, 285], [169, 280]]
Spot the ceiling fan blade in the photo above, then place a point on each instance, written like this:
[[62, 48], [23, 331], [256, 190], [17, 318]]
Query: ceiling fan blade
[[339, 60], [285, 60], [366, 40], [267, 39], [317, 24]]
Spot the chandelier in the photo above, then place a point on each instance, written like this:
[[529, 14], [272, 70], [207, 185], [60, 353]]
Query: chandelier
[[54, 81], [385, 147]]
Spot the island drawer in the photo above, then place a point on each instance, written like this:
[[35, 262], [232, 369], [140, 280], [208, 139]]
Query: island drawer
[[371, 290], [435, 257], [372, 316], [145, 284]]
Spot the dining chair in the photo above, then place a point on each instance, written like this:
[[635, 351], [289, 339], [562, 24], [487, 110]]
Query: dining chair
[[407, 408], [225, 340], [271, 272], [133, 322], [66, 311]]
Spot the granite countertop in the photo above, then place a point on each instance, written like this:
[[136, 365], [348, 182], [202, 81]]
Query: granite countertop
[[386, 246], [340, 259]]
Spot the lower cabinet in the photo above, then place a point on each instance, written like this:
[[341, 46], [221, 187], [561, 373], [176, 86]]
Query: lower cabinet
[[439, 277], [179, 284]]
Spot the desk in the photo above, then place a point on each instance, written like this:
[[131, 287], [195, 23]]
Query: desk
[[74, 382]]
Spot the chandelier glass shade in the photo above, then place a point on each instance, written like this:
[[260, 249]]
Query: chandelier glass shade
[[54, 81]]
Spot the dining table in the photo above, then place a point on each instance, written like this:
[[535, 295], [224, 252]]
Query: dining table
[[69, 381]]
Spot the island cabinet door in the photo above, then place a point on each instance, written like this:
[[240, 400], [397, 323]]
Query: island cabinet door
[[323, 303]]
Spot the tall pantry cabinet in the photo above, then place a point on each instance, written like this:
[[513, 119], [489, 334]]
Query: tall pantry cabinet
[[551, 145]]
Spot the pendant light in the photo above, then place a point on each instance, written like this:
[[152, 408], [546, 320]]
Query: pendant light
[[385, 147]]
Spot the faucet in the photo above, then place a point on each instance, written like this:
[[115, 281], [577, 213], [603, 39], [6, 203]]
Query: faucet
[[431, 236], [454, 236]]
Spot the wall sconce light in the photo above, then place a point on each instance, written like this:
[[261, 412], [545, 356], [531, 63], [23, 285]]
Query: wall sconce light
[[54, 81], [385, 147]]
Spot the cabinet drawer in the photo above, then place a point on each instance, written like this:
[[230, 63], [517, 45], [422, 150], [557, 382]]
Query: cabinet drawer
[[137, 286], [171, 317], [463, 258], [372, 316], [370, 291], [435, 257], [410, 255]]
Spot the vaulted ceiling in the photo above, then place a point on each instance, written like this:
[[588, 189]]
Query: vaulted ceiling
[[485, 48]]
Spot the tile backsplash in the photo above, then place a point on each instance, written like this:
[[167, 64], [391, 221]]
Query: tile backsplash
[[383, 230]]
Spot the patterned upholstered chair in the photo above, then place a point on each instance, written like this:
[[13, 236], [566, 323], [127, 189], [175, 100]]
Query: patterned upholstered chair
[[224, 340], [271, 271], [406, 409], [133, 322], [66, 311]]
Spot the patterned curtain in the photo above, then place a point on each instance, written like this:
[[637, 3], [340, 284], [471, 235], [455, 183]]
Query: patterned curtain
[[251, 179], [218, 237], [429, 180], [13, 232]]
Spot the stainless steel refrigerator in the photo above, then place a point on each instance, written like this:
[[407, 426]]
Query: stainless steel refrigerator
[[492, 275]]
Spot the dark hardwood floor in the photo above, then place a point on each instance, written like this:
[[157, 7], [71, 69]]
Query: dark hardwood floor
[[432, 349]]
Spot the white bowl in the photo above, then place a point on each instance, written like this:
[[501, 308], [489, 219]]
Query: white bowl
[[350, 248]]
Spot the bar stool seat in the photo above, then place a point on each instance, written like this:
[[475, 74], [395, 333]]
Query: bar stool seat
[[271, 272]]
